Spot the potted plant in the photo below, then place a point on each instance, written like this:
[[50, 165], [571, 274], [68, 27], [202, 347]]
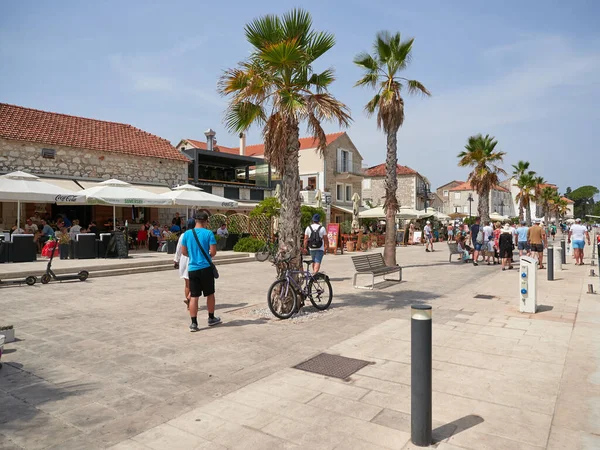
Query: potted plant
[[365, 242], [64, 242], [172, 239], [9, 333], [350, 245]]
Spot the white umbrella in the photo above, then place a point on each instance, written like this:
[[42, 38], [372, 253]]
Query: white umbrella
[[188, 195], [120, 193], [24, 187], [372, 213], [318, 198], [409, 213], [497, 217]]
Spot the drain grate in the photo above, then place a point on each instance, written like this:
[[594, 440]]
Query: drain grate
[[485, 296], [332, 365]]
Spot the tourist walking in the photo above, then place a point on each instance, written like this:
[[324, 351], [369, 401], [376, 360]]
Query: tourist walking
[[476, 239], [428, 237], [181, 262], [488, 242], [200, 246], [315, 240], [411, 233], [505, 242], [450, 232], [521, 238], [577, 234], [538, 240]]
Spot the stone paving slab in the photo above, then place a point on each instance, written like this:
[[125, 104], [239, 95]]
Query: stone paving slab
[[110, 363]]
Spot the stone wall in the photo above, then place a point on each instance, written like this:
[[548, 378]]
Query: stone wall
[[81, 163], [331, 177], [406, 192]]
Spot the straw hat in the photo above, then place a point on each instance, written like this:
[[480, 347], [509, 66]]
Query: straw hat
[[506, 228]]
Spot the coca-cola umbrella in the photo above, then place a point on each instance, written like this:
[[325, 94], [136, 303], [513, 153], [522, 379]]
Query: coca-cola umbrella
[[25, 187], [120, 193]]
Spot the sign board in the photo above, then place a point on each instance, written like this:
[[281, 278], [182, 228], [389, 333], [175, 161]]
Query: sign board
[[416, 237], [327, 198], [333, 235]]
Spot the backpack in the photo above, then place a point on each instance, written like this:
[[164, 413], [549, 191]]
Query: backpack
[[315, 241], [479, 239]]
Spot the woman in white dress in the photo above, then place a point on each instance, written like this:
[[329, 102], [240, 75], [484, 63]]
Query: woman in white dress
[[181, 261]]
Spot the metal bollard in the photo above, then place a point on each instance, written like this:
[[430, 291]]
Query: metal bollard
[[590, 289], [420, 375], [550, 264], [563, 254], [592, 272]]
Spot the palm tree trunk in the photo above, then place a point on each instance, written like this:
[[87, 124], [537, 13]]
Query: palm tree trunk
[[391, 201], [521, 216], [484, 207], [290, 232], [528, 212]]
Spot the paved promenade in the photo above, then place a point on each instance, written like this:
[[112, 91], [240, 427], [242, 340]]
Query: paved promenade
[[110, 363]]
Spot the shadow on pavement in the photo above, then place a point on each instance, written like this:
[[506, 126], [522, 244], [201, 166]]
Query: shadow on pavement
[[390, 300], [244, 322], [450, 429], [544, 308]]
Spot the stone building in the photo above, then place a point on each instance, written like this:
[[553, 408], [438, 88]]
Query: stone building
[[464, 199], [412, 192], [77, 153], [443, 193]]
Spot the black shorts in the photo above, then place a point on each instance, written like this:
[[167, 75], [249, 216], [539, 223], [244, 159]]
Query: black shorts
[[202, 282], [538, 248], [506, 252]]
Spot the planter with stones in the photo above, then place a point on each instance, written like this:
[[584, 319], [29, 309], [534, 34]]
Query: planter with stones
[[8, 332]]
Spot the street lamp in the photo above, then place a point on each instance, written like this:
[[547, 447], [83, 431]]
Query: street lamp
[[426, 196], [470, 200], [502, 207]]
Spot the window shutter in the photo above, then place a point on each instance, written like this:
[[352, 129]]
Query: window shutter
[[338, 161], [349, 168]]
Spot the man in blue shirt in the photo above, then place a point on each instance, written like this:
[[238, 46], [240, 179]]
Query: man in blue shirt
[[200, 270], [474, 235], [521, 238]]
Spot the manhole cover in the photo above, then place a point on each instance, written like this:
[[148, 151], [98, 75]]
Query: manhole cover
[[484, 296], [332, 365]]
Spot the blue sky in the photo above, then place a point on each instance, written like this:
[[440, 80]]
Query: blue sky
[[523, 71]]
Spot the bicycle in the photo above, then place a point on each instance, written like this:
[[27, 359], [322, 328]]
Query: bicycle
[[267, 251], [282, 297]]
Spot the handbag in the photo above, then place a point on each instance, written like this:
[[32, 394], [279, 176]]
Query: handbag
[[212, 266]]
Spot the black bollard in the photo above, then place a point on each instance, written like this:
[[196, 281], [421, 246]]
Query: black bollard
[[550, 263], [420, 375], [563, 251]]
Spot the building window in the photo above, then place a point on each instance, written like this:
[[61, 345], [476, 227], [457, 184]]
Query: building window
[[231, 193], [457, 195], [339, 192], [366, 183], [344, 161], [312, 183], [445, 193], [348, 192], [466, 210], [257, 195]]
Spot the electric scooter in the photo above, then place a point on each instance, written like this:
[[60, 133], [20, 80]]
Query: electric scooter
[[30, 280], [50, 275]]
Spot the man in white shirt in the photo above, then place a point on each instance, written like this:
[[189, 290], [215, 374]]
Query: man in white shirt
[[222, 231], [577, 234], [488, 241], [428, 236], [30, 227], [315, 240]]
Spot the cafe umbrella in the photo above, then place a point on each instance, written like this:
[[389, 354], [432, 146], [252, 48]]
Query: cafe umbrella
[[188, 195], [25, 187], [120, 193]]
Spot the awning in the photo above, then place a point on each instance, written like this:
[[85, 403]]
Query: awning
[[345, 209], [69, 185], [143, 187]]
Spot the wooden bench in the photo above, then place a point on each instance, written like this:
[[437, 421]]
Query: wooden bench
[[454, 250], [373, 265]]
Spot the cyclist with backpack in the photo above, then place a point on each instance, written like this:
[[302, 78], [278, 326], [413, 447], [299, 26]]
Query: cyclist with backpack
[[315, 240]]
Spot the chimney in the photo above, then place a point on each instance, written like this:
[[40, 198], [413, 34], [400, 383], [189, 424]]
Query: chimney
[[242, 143], [210, 136]]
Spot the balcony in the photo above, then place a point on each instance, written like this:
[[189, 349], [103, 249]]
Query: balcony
[[348, 169]]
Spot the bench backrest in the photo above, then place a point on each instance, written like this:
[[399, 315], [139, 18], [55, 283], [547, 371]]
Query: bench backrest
[[453, 247], [368, 262]]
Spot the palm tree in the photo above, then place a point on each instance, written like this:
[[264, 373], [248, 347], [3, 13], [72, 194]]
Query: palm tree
[[381, 72], [546, 197], [277, 89], [561, 207], [480, 153], [520, 169], [526, 184]]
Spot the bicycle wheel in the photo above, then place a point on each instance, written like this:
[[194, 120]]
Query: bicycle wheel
[[263, 254], [320, 292], [282, 299]]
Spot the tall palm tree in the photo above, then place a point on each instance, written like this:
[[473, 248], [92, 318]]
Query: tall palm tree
[[277, 89], [481, 154], [526, 184], [381, 72], [560, 207], [538, 186], [546, 197], [519, 169]]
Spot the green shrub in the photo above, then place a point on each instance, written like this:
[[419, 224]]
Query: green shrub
[[306, 215], [248, 244]]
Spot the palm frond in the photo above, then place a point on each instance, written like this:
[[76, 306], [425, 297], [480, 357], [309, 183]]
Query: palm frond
[[321, 81], [318, 44], [240, 116], [416, 87], [372, 105], [283, 53], [367, 62], [264, 30], [382, 46], [296, 24]]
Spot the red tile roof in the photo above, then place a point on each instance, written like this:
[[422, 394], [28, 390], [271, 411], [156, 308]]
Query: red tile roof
[[259, 149], [219, 148], [466, 186], [32, 125], [379, 170], [568, 200]]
